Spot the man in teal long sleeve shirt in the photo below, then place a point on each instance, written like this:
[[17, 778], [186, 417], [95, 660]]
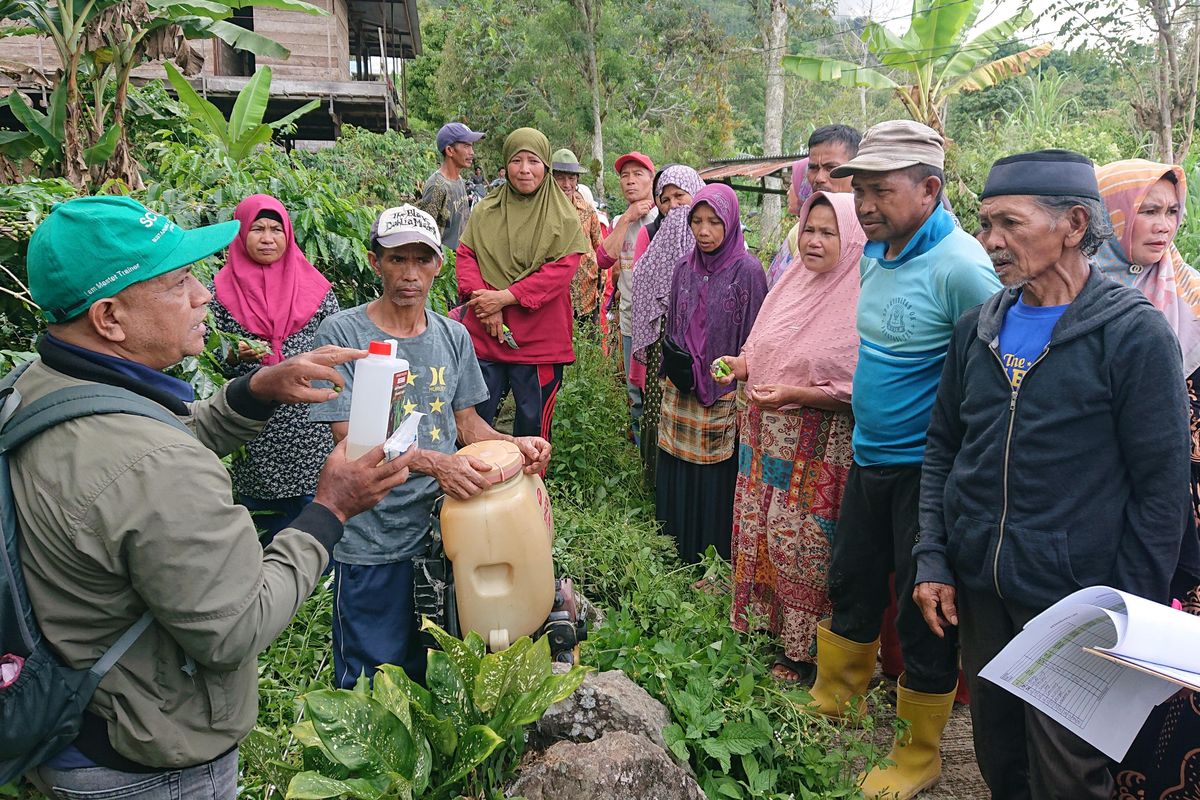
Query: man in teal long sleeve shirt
[[920, 272]]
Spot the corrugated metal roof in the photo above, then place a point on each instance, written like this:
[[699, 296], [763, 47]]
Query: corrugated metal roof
[[756, 168]]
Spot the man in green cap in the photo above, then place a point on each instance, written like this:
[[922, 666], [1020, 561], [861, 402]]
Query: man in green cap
[[126, 517], [585, 286]]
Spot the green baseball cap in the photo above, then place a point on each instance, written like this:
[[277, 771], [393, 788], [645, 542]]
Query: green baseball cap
[[93, 247]]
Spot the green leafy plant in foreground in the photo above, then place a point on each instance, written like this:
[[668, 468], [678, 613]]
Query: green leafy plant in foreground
[[392, 738], [744, 734]]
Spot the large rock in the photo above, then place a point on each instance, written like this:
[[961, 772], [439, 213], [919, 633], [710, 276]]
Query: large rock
[[605, 702], [618, 766]]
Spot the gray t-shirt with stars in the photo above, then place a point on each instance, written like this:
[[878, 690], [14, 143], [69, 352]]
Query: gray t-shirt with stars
[[444, 377]]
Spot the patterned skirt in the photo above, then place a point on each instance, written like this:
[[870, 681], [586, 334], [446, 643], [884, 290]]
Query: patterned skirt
[[792, 468]]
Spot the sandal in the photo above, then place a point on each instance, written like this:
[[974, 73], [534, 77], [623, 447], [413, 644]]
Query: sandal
[[713, 586], [785, 670]]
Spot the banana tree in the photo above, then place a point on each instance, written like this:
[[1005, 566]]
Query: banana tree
[[99, 43], [245, 129], [933, 60]]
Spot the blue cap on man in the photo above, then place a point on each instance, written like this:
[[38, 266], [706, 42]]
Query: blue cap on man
[[454, 132]]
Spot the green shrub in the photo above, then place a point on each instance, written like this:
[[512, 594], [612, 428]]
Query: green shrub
[[22, 207], [385, 169], [742, 731], [1188, 237], [391, 737], [593, 463], [1099, 136]]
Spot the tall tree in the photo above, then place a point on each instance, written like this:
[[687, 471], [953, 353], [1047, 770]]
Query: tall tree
[[934, 60], [589, 18], [1164, 101], [620, 78], [773, 28]]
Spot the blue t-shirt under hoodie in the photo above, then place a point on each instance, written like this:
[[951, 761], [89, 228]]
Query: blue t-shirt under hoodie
[[906, 312], [1024, 336]]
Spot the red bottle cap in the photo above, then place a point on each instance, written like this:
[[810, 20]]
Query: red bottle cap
[[380, 349]]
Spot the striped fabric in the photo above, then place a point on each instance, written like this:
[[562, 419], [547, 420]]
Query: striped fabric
[[693, 433]]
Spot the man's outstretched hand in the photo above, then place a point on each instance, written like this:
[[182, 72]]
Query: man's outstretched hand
[[290, 381], [349, 487], [536, 452]]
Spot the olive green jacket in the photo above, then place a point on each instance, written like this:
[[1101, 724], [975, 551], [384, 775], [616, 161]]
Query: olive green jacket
[[120, 514]]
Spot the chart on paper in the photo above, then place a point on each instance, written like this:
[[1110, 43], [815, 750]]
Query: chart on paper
[[1055, 670], [1099, 700]]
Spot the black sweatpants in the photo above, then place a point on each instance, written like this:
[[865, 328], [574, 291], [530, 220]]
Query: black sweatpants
[[534, 388], [1022, 753], [875, 534]]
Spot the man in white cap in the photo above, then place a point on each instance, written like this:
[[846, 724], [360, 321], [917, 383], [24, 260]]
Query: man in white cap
[[444, 194], [920, 272], [373, 617]]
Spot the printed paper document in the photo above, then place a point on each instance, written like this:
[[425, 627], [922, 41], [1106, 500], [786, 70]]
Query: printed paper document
[[1098, 661]]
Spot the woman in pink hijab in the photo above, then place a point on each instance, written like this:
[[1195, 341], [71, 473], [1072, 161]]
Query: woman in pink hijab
[[273, 299], [794, 439]]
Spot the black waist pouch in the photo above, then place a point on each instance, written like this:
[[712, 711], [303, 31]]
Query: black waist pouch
[[677, 365]]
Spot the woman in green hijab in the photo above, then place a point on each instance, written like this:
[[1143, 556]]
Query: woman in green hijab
[[515, 264]]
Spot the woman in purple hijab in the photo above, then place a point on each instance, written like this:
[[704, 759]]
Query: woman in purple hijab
[[715, 295], [798, 192]]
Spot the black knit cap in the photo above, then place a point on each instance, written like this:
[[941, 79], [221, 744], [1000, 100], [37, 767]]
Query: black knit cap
[[1043, 172]]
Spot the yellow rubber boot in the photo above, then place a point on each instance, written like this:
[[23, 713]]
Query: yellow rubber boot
[[917, 762], [844, 668]]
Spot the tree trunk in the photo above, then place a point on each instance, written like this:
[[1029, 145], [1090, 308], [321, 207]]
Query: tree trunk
[[1166, 144], [775, 40], [590, 9], [122, 166], [1190, 83], [73, 167]]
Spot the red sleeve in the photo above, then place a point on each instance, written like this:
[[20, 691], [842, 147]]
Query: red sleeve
[[550, 280], [466, 269], [603, 258]]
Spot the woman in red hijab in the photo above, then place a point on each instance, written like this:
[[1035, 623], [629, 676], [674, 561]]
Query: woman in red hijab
[[268, 293]]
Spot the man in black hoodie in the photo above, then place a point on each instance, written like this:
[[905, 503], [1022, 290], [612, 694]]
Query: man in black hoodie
[[1057, 457]]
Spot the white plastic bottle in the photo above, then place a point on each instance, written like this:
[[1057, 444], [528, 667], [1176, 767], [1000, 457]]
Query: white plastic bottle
[[377, 399]]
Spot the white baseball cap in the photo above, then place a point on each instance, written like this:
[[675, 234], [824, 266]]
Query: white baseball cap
[[405, 225]]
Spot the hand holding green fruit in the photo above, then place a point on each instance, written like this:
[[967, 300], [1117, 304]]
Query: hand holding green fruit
[[253, 349], [727, 369]]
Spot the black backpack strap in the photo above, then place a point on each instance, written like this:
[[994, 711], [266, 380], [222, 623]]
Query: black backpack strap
[[44, 413], [10, 398], [79, 401]]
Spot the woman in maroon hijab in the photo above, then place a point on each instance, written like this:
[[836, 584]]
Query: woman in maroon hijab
[[716, 292], [269, 292]]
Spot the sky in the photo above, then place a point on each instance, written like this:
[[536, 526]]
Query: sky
[[992, 12]]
